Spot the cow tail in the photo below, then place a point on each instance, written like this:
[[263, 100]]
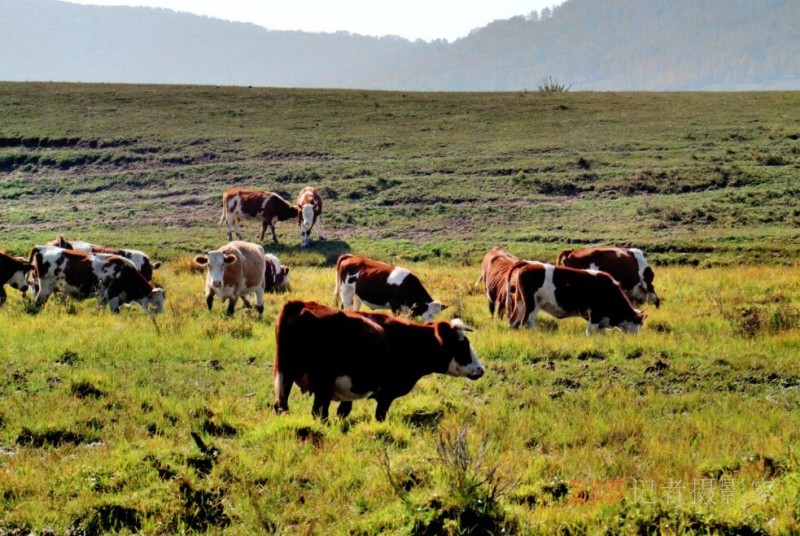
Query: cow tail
[[562, 256], [224, 209], [338, 288]]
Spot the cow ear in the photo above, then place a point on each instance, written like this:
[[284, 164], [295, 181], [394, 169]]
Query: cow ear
[[156, 265], [230, 259], [444, 306], [201, 260], [445, 333], [285, 270]]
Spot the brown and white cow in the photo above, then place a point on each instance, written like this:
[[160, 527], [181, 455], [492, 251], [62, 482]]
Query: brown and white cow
[[563, 292], [310, 203], [382, 286], [113, 279], [239, 204], [344, 356], [14, 272], [140, 259], [626, 265], [234, 271], [495, 269], [276, 277]]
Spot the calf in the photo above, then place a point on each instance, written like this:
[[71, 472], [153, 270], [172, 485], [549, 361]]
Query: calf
[[564, 292], [14, 272], [270, 208], [626, 265], [234, 271], [344, 356], [495, 269], [310, 204], [113, 279], [382, 286], [139, 258]]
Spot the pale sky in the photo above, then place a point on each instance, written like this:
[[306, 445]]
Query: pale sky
[[412, 19]]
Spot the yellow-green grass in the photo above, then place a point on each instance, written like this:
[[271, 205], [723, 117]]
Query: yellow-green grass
[[700, 396]]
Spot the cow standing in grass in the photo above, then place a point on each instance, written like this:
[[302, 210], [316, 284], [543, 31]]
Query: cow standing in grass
[[239, 204], [627, 265], [310, 204], [382, 286], [495, 269], [564, 292], [140, 259], [344, 356], [113, 279], [234, 271]]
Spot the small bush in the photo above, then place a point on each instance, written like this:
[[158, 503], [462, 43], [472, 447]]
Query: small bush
[[551, 85]]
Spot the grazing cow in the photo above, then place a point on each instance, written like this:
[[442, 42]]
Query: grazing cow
[[276, 277], [564, 292], [234, 271], [139, 258], [382, 286], [115, 280], [626, 265], [495, 269], [14, 272], [310, 203], [344, 355], [270, 208]]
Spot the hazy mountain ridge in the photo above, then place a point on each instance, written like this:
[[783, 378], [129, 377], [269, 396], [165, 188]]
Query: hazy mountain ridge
[[590, 44]]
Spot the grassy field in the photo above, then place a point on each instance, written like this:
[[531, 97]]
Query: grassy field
[[690, 427]]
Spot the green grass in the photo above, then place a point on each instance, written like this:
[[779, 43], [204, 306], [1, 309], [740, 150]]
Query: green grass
[[97, 410]]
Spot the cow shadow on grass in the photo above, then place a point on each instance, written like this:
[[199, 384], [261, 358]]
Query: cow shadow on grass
[[319, 253]]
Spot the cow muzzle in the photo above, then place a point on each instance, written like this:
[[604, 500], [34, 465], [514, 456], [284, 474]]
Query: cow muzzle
[[475, 374], [216, 284]]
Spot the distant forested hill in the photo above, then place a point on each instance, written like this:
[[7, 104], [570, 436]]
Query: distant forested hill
[[588, 44]]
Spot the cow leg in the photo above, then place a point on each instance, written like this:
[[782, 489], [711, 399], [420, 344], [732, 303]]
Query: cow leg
[[357, 303], [283, 386], [246, 303], [348, 294], [260, 301], [209, 298], [344, 409], [230, 221], [382, 408], [319, 229], [491, 306], [2, 295], [263, 229], [322, 401], [231, 305], [45, 289], [274, 236], [114, 304]]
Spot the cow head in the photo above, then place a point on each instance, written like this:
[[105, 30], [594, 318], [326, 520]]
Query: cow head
[[634, 325], [19, 279], [216, 262], [306, 223], [154, 302], [453, 339], [282, 278], [432, 309], [61, 242]]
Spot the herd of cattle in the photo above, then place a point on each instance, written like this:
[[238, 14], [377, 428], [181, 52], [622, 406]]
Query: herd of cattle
[[352, 354]]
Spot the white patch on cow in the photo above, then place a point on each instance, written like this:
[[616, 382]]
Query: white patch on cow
[[461, 328], [593, 271], [546, 295], [594, 267], [19, 280], [397, 276], [79, 245], [473, 370], [370, 305], [343, 390], [269, 257], [640, 261], [434, 308], [308, 217], [348, 291]]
